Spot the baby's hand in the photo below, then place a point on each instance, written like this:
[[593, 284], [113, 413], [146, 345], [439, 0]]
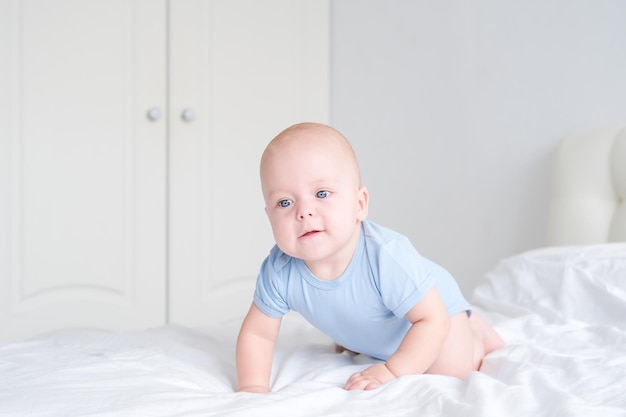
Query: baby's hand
[[255, 389], [371, 378]]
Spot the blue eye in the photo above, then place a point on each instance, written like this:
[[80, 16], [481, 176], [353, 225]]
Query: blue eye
[[322, 194], [285, 203]]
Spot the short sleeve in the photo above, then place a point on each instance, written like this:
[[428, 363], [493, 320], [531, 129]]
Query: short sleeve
[[270, 294], [404, 276]]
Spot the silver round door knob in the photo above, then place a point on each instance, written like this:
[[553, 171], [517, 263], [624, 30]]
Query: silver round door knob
[[154, 114], [188, 115]]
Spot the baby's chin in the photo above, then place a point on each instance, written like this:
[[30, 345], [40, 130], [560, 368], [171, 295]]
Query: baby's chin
[[287, 251]]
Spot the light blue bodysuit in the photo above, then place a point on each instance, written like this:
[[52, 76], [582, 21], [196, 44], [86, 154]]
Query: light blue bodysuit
[[363, 309]]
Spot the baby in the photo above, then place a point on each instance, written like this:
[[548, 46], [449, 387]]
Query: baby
[[363, 285]]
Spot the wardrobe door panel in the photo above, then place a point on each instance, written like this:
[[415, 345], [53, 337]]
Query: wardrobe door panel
[[246, 69], [82, 166]]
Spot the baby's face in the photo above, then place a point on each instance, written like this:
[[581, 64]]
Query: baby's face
[[314, 201]]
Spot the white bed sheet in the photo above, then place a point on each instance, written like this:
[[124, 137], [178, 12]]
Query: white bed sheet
[[562, 312]]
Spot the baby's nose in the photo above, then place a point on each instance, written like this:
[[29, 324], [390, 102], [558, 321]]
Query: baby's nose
[[305, 212]]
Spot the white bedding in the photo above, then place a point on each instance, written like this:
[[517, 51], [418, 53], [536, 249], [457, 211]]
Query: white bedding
[[562, 312]]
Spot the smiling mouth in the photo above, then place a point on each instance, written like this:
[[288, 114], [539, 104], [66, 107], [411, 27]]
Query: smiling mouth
[[310, 233]]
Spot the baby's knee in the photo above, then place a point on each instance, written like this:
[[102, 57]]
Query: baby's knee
[[462, 352], [459, 367]]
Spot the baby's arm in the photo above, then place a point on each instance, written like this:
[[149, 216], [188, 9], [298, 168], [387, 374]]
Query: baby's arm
[[419, 348], [255, 351]]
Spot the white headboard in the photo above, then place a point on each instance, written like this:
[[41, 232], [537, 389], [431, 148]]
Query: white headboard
[[588, 200]]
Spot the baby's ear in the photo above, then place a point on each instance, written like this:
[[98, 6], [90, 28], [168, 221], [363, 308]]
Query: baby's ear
[[363, 201]]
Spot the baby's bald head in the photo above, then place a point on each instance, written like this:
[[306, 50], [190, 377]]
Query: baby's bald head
[[304, 138]]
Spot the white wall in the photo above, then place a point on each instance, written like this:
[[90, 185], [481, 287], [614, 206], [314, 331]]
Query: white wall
[[455, 109]]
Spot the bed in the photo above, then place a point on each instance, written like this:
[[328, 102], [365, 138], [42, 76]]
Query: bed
[[561, 310]]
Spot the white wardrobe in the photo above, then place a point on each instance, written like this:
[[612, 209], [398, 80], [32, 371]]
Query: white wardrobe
[[130, 135]]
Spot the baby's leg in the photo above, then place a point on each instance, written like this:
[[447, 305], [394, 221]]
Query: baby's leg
[[461, 352], [491, 339], [468, 342]]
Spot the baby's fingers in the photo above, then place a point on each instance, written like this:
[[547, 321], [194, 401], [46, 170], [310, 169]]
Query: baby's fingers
[[359, 381], [352, 380], [372, 385]]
